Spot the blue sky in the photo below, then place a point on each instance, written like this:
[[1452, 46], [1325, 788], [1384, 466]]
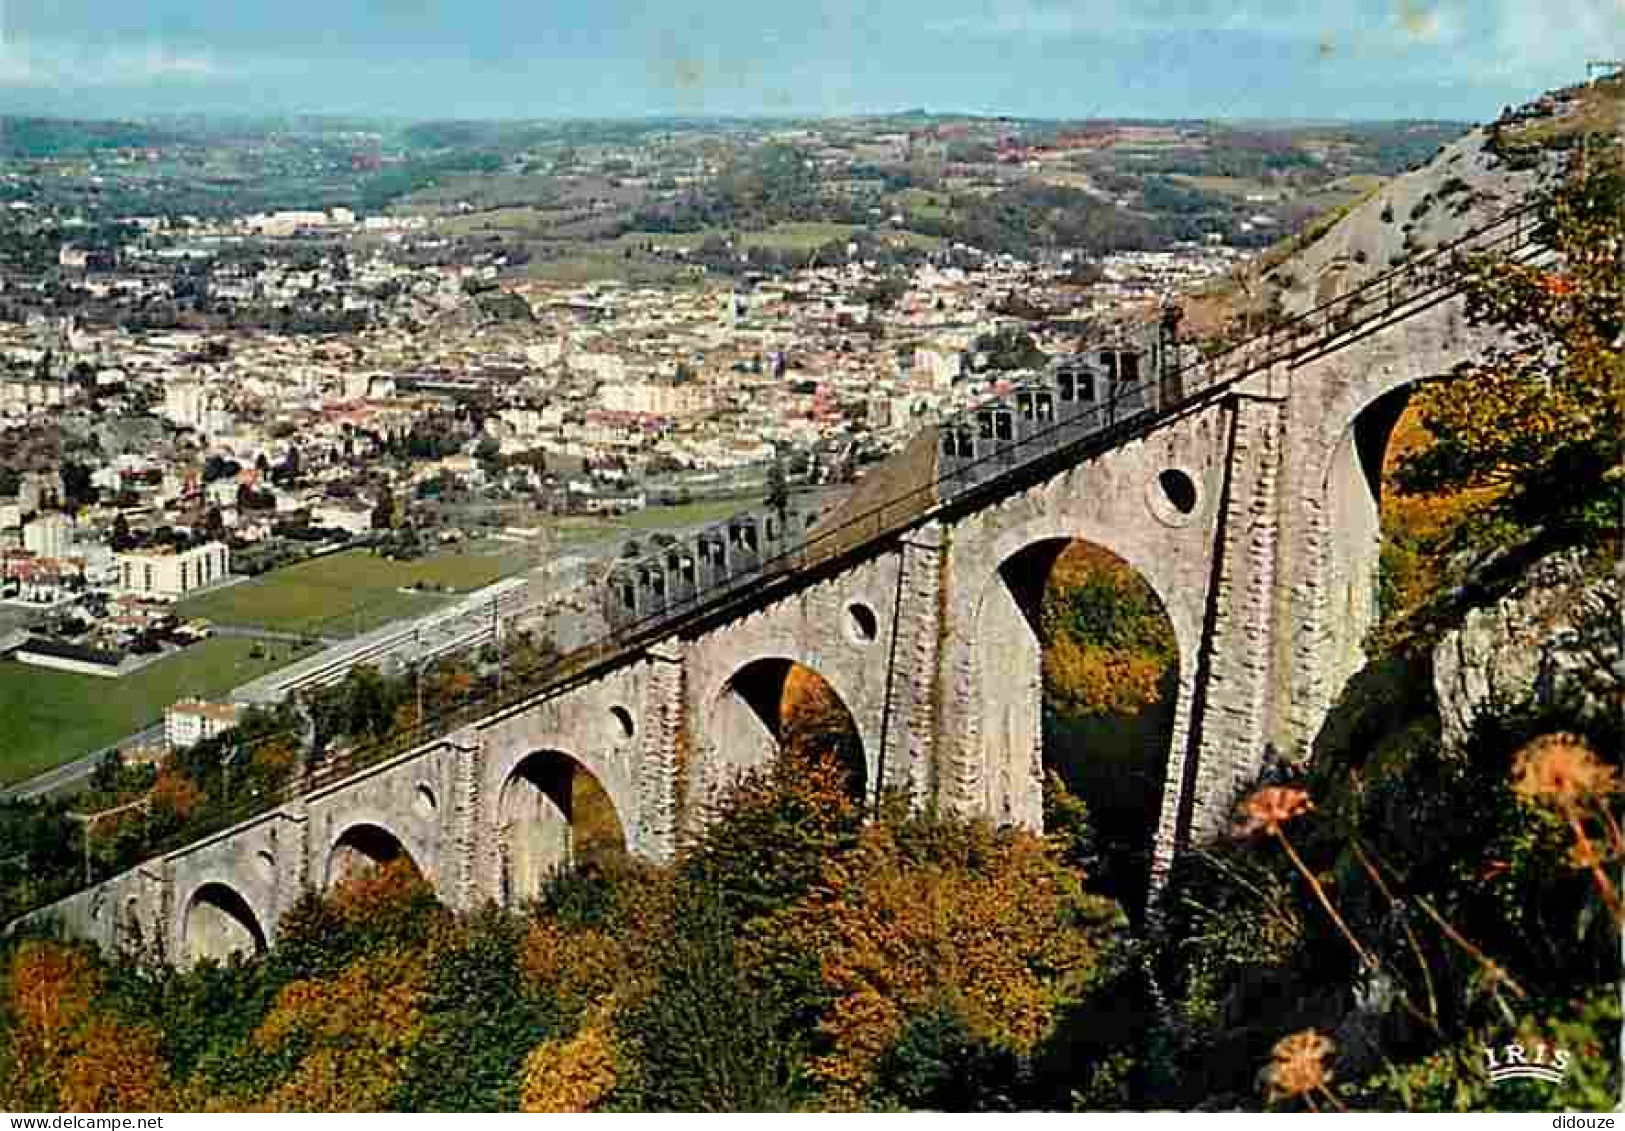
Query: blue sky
[[1042, 58]]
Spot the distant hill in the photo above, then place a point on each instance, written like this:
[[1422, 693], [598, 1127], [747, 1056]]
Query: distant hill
[[1467, 182], [66, 137]]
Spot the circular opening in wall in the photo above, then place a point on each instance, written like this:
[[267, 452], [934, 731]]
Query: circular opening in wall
[[862, 622], [425, 801], [623, 719], [1178, 489], [267, 864]]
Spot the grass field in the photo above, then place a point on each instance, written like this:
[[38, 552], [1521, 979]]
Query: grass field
[[50, 717], [623, 259], [596, 262], [780, 237], [1239, 187], [523, 221], [661, 518], [353, 592], [574, 530], [920, 202]]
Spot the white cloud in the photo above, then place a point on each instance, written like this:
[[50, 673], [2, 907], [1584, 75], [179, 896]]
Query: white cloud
[[42, 64]]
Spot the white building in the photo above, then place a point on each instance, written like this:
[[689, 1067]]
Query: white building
[[168, 575], [604, 366], [938, 367], [20, 394], [185, 402], [656, 399], [338, 514], [188, 722], [48, 536]]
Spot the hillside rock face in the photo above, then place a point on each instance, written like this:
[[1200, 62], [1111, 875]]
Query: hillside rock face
[[1463, 187], [1553, 642]]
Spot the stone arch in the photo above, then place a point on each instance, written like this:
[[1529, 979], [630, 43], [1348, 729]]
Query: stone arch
[[749, 721], [1351, 490], [363, 846], [219, 922], [1372, 432], [1333, 441], [1184, 604], [552, 812], [1001, 669], [1401, 357]]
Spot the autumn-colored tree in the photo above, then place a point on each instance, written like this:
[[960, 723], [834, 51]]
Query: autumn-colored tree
[[771, 837], [1108, 642], [570, 1075], [1541, 413], [116, 1067], [175, 797], [52, 988], [923, 912], [348, 1038], [577, 966], [370, 892], [446, 686], [273, 762], [816, 723], [387, 906]]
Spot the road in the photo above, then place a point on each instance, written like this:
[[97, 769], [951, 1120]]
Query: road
[[69, 773], [249, 632]]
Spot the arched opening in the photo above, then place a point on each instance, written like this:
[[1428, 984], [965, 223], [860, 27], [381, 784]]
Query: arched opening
[[775, 705], [1373, 431], [219, 923], [363, 848], [554, 814], [623, 721], [1079, 682], [1378, 533]]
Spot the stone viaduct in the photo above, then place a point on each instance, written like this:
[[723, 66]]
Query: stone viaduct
[[1242, 488]]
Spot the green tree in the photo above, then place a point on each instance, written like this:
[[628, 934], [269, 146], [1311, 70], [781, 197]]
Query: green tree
[[1541, 413], [778, 486], [707, 1037]]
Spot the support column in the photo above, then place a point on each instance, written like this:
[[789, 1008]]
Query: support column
[[172, 934], [662, 766], [1309, 603], [290, 857], [152, 906], [1231, 721], [464, 828], [913, 714]]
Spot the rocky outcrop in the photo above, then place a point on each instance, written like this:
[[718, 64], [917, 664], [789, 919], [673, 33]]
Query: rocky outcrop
[[1463, 187], [1554, 641]]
